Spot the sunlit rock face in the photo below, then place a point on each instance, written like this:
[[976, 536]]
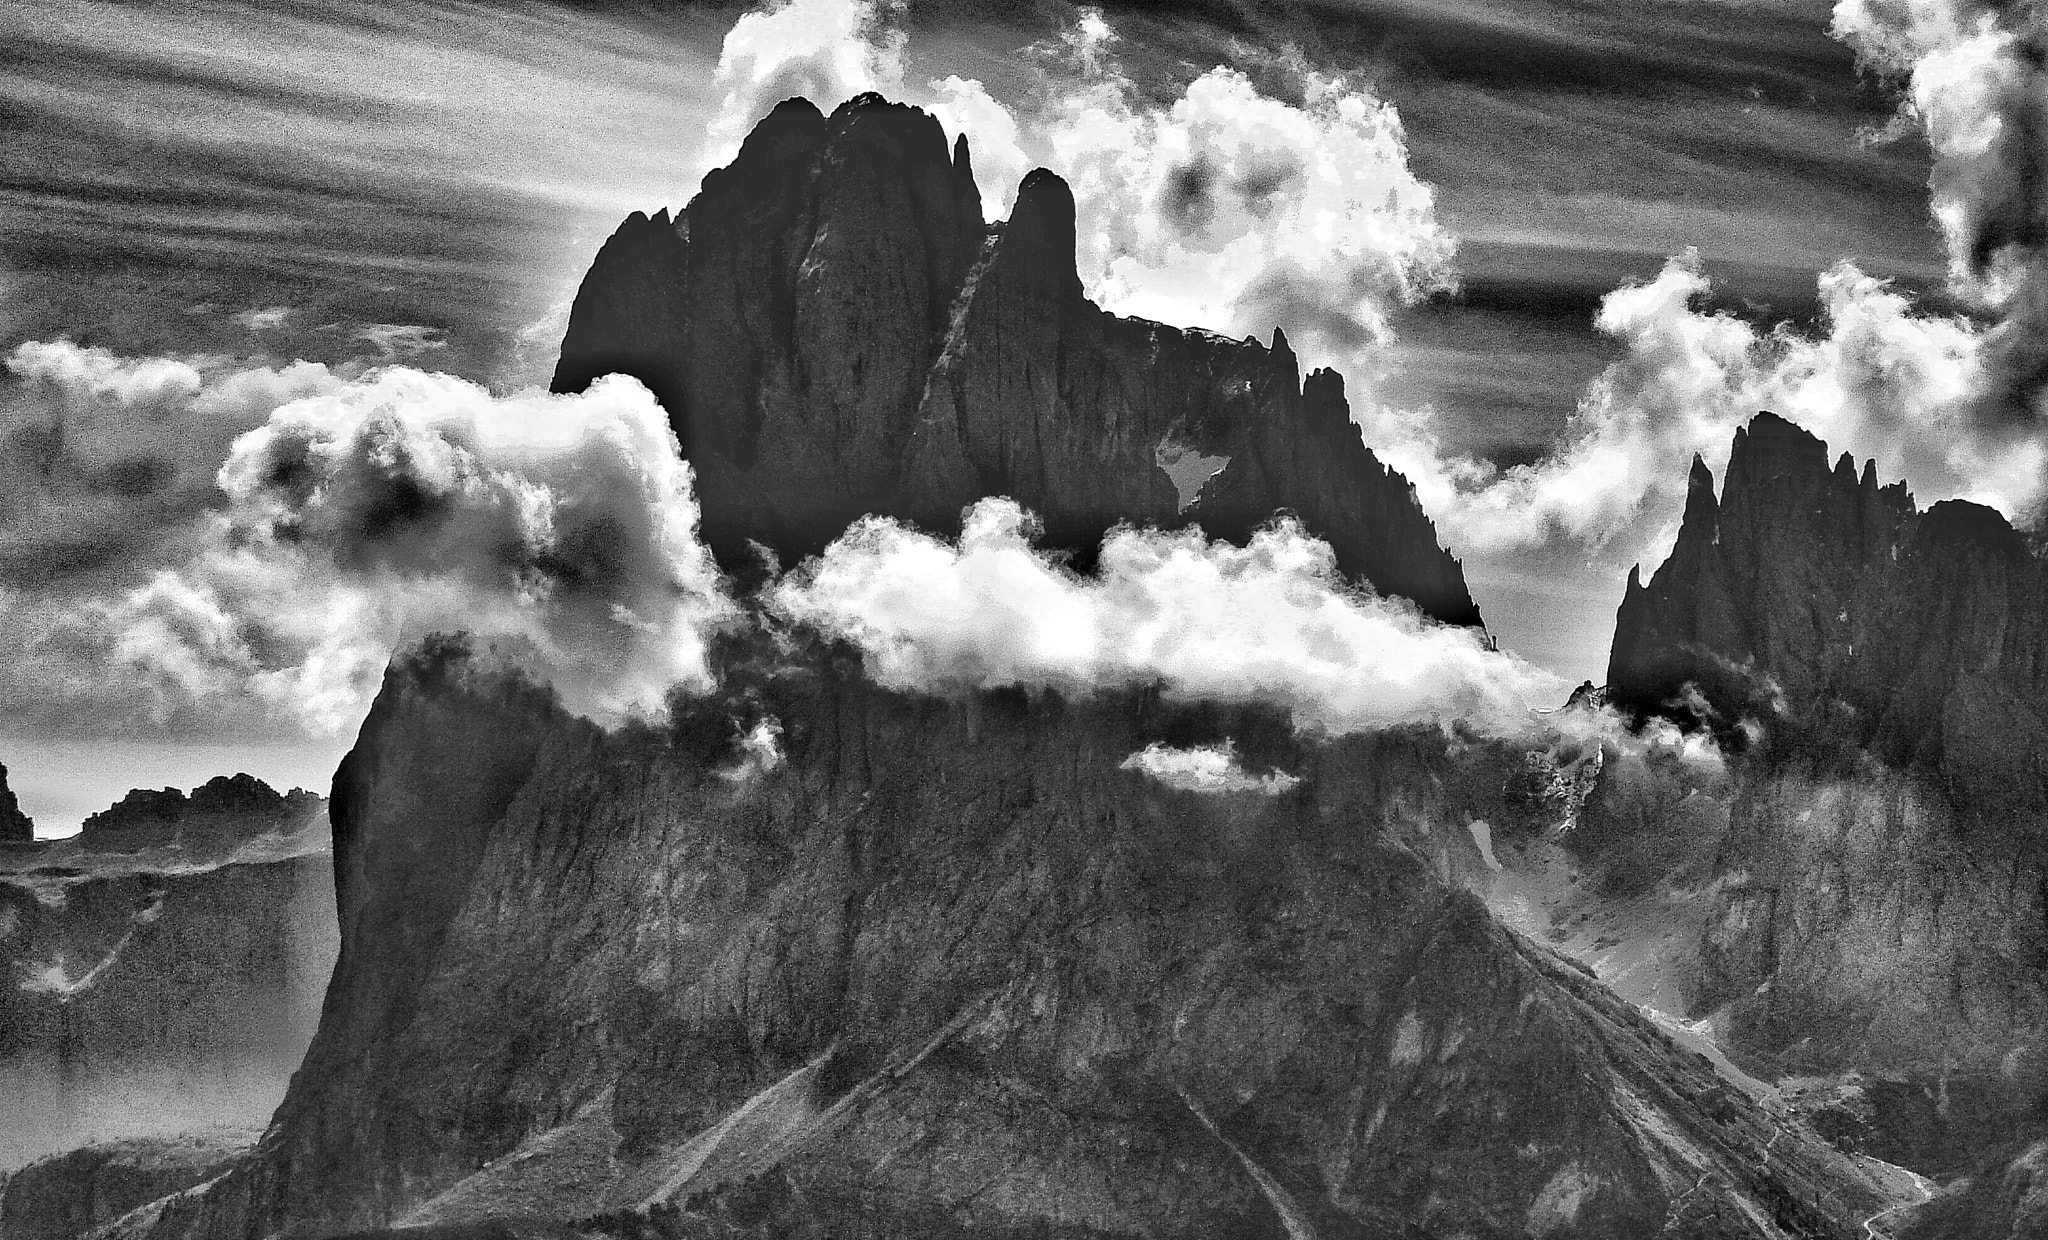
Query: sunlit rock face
[[162, 972], [835, 331], [957, 967], [1876, 901]]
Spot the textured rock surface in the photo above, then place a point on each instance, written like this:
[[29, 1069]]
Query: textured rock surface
[[835, 332], [1877, 898], [166, 983], [68, 1195], [15, 826], [948, 970]]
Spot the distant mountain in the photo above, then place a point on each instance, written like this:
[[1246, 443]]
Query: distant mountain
[[835, 332], [161, 971]]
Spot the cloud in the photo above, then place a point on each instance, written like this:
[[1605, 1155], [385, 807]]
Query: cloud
[[106, 461], [825, 50], [1977, 85], [1880, 379], [1234, 210], [396, 342], [1269, 622], [963, 105], [1207, 769], [269, 319], [368, 513]]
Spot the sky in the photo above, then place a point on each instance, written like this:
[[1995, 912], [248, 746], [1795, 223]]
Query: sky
[[1556, 247]]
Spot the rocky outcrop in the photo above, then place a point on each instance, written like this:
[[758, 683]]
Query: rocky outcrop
[[15, 826], [835, 332], [1874, 909], [161, 978], [951, 968], [1837, 614], [69, 1195]]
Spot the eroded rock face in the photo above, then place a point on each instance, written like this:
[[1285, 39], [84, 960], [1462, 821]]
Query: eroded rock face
[[835, 332], [1845, 620], [1876, 903], [947, 968], [167, 981]]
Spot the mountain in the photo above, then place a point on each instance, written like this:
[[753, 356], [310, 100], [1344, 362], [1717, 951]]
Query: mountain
[[835, 331], [15, 826], [1833, 609], [1866, 900], [163, 969], [951, 967]]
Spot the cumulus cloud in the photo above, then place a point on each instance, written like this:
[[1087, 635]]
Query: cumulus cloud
[[1230, 209], [1976, 82], [1268, 622], [825, 50], [1205, 768], [1880, 379], [369, 512]]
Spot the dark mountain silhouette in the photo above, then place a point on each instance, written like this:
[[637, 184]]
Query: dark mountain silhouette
[[15, 826], [1873, 906], [834, 331]]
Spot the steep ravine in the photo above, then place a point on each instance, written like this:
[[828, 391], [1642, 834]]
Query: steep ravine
[[948, 970]]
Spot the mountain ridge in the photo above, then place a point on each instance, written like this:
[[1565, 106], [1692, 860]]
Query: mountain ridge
[[835, 332]]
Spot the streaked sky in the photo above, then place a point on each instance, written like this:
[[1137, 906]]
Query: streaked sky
[[353, 184]]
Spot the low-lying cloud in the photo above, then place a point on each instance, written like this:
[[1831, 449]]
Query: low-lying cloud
[[366, 513], [1210, 769], [1269, 622]]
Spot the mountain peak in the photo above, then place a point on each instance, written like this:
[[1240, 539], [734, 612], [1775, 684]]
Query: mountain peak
[[835, 332], [1817, 602]]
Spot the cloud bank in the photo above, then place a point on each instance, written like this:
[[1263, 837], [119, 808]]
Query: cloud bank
[[365, 513], [1269, 622]]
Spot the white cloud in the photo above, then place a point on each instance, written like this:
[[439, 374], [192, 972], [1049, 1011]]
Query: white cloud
[[1268, 622], [1233, 210], [963, 105], [1206, 769], [368, 513], [825, 50], [1880, 380]]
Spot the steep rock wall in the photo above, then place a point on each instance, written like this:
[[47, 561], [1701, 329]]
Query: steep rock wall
[[947, 968], [835, 332]]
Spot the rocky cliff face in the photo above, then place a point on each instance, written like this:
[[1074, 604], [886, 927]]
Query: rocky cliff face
[[835, 332], [1836, 612], [165, 982], [1875, 902], [951, 968], [15, 826]]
